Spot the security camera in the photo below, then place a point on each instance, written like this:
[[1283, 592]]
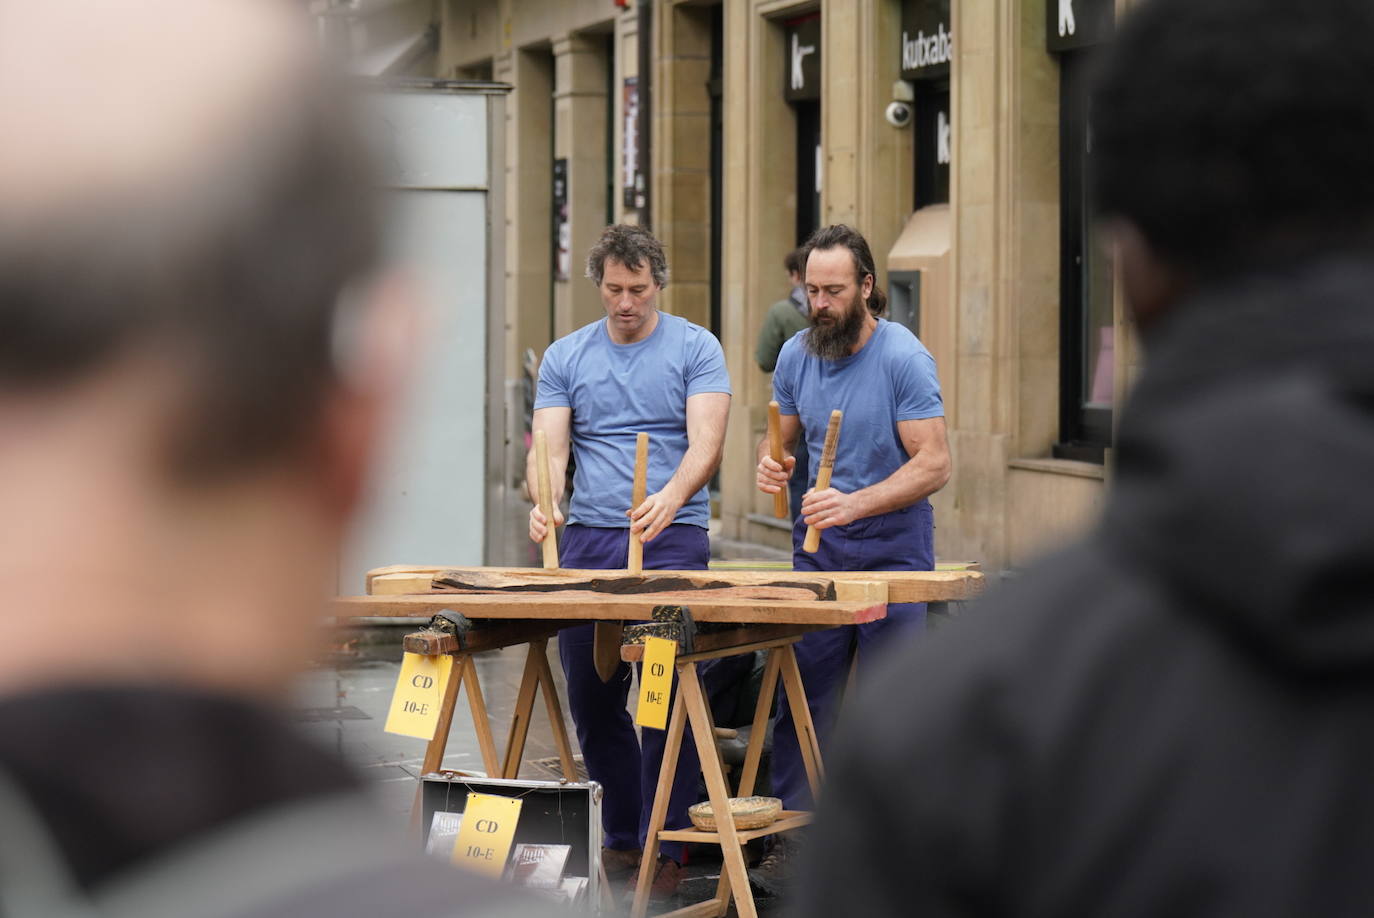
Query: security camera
[[898, 114]]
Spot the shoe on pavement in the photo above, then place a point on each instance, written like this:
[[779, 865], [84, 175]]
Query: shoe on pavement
[[618, 863], [774, 875], [667, 877]]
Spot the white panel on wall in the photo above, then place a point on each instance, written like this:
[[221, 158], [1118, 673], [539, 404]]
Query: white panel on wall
[[427, 502]]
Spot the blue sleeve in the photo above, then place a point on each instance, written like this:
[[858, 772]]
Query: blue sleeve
[[916, 387], [552, 390], [706, 366], [784, 377]]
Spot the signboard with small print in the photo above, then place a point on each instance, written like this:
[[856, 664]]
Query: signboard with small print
[[927, 39], [562, 229], [632, 196]]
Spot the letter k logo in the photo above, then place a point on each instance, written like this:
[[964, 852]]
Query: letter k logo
[[799, 51], [1067, 26]]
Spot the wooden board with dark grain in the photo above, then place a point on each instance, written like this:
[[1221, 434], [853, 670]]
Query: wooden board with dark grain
[[903, 586], [506, 581], [583, 606]]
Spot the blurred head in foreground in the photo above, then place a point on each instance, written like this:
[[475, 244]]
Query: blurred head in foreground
[[1107, 734], [1233, 137], [197, 348], [186, 242]]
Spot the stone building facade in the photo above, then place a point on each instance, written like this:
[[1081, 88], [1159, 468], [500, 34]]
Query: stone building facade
[[954, 133]]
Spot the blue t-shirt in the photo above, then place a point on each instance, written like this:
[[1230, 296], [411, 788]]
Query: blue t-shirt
[[617, 390], [891, 379]]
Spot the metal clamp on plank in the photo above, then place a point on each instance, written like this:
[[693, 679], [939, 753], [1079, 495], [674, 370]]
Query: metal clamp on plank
[[674, 623]]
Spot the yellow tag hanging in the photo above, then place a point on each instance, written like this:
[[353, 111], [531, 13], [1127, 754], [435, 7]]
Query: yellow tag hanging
[[419, 695], [484, 841], [656, 683]]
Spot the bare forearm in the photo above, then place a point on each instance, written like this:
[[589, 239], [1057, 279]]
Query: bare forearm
[[916, 479], [558, 474], [790, 431], [698, 464]]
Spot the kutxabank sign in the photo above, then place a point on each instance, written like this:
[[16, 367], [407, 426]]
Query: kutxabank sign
[[927, 39]]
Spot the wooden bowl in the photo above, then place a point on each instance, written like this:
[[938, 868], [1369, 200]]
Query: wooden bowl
[[746, 812]]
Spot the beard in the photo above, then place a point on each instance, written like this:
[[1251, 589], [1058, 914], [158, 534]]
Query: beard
[[836, 339]]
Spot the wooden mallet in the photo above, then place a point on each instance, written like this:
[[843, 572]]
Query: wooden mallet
[[636, 559], [541, 462], [606, 637], [832, 437], [775, 451]]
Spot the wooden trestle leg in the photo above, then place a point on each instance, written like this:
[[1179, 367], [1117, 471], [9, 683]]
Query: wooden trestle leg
[[537, 674], [691, 705], [672, 745], [434, 752]]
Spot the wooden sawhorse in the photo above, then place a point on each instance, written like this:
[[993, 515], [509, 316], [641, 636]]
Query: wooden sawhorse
[[536, 675], [690, 705]]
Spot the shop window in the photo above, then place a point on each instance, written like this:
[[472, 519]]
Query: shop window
[[933, 136], [802, 89], [808, 168], [1087, 322]]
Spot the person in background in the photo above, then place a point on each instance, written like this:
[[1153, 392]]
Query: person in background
[[784, 320], [1173, 716], [199, 345]]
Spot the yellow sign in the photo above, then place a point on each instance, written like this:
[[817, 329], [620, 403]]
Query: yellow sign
[[419, 695], [656, 683], [488, 829]]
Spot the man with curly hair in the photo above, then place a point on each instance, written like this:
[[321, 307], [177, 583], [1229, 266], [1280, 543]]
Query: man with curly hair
[[636, 370]]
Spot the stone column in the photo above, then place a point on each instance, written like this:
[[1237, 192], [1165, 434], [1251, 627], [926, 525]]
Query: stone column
[[579, 107], [529, 171]]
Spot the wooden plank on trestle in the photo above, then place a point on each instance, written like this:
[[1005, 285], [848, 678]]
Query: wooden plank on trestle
[[768, 593], [487, 636], [903, 586], [582, 606], [486, 581]]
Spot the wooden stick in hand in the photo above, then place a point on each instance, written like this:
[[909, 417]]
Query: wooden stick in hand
[[541, 464], [832, 437], [775, 451], [636, 561]]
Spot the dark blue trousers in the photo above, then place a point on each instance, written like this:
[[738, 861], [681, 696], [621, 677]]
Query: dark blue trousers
[[902, 540], [605, 730]]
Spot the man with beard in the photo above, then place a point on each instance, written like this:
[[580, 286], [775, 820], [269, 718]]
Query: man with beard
[[892, 455]]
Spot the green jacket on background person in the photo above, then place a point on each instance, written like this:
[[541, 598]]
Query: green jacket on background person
[[785, 318]]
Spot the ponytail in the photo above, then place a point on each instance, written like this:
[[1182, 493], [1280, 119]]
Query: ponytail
[[877, 300]]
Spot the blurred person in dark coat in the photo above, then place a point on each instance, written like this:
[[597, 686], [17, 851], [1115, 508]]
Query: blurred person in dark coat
[[1175, 717], [186, 242]]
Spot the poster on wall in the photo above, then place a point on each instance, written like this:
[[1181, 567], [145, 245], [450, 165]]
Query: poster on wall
[[562, 230], [629, 147]]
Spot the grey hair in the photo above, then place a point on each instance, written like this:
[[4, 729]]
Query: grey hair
[[630, 245]]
